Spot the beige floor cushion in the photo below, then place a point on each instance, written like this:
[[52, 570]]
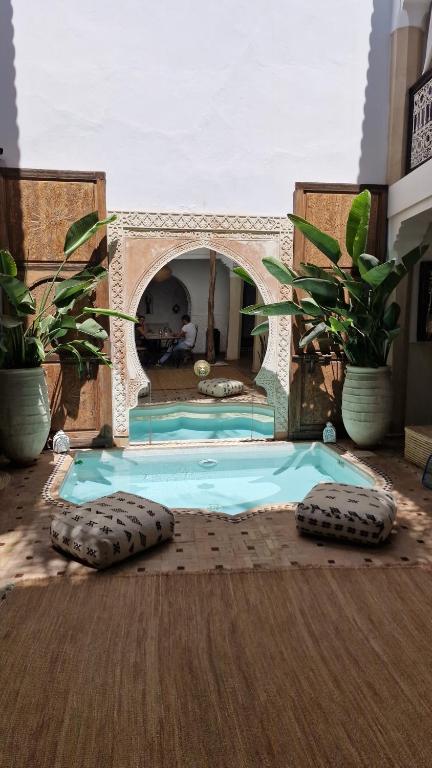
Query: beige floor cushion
[[347, 512], [108, 530], [220, 387]]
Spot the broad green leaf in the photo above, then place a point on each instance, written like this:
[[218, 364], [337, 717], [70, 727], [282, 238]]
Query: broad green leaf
[[8, 321], [92, 328], [366, 262], [319, 330], [325, 243], [391, 316], [68, 321], [281, 308], [7, 264], [260, 329], [356, 289], [40, 350], [311, 270], [45, 323], [325, 290], [82, 230], [374, 277], [71, 289], [104, 311], [18, 295], [88, 346], [311, 307], [244, 275], [279, 270], [339, 326], [357, 225]]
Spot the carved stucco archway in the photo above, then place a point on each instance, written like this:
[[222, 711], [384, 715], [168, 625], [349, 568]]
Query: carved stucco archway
[[140, 244]]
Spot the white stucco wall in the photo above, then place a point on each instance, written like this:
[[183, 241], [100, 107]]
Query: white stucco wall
[[190, 105]]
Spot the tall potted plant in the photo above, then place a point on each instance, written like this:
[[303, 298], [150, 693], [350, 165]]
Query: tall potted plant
[[353, 308], [30, 332]]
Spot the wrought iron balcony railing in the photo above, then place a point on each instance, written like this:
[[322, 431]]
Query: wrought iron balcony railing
[[419, 149]]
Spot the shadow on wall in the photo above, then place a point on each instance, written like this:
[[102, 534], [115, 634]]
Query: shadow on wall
[[9, 136], [9, 133], [373, 154]]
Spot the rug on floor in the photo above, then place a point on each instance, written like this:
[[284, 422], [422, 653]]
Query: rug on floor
[[317, 668]]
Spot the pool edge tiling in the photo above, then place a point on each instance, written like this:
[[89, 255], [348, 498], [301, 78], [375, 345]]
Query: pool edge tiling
[[372, 477]]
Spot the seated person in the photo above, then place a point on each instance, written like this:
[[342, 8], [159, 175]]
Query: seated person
[[146, 348], [140, 332], [186, 340]]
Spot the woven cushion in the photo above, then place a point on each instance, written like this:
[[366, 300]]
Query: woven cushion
[[108, 530], [347, 512], [220, 387]]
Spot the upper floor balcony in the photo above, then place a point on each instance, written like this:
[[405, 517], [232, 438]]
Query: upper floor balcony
[[419, 146]]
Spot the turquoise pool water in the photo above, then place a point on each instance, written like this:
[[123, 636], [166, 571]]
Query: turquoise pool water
[[228, 479], [195, 421]]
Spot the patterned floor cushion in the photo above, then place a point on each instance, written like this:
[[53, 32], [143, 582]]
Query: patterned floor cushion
[[347, 512], [108, 530], [220, 387]]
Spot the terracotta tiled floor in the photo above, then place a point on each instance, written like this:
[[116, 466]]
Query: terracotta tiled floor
[[203, 542]]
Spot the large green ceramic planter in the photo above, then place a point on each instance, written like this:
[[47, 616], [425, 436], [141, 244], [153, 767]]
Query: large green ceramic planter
[[24, 414], [366, 404]]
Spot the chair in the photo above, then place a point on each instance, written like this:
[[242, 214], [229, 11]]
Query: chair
[[185, 355]]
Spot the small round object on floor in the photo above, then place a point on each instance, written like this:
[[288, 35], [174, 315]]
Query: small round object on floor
[[201, 368]]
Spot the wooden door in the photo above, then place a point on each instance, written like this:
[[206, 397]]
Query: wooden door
[[38, 208], [317, 372]]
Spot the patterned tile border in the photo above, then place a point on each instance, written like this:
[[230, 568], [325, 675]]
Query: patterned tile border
[[52, 486]]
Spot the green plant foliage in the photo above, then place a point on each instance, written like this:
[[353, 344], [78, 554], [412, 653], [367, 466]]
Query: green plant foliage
[[353, 308], [358, 225], [30, 332]]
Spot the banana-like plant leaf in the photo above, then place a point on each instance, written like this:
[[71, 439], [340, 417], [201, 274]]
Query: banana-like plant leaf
[[311, 307], [279, 270], [311, 270], [325, 290], [18, 295], [356, 289], [358, 225], [319, 330], [92, 328], [8, 321], [374, 277], [72, 289], [367, 262], [7, 264], [391, 316], [104, 311], [244, 275], [39, 347], [260, 329], [82, 230], [325, 243], [339, 326], [45, 323], [270, 310]]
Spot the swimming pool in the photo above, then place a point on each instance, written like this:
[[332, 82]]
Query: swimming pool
[[223, 479], [201, 421]]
